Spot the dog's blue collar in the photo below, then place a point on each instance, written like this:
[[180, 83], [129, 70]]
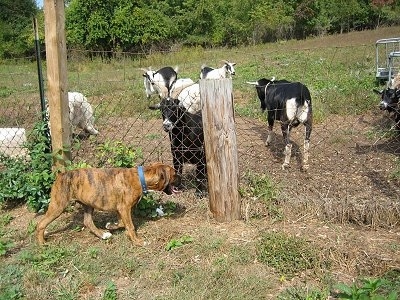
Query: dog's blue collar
[[142, 180]]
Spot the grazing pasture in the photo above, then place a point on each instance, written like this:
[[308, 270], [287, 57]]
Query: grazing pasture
[[301, 232]]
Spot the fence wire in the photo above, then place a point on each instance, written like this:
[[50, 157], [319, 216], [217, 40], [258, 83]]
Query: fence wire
[[353, 157]]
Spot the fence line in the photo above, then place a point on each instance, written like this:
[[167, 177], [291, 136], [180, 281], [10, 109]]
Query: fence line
[[353, 157]]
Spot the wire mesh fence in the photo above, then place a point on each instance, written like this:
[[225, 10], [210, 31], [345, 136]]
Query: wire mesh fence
[[353, 156]]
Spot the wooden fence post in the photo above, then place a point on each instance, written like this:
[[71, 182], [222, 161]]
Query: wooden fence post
[[221, 148], [57, 94]]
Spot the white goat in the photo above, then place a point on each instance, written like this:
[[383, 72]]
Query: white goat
[[159, 82], [80, 113], [226, 71], [189, 98]]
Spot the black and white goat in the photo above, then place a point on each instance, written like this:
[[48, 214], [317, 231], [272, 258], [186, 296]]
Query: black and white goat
[[289, 103], [159, 82], [187, 140], [226, 71]]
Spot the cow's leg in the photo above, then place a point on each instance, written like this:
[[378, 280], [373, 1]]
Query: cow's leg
[[308, 128], [288, 148], [270, 128], [177, 161], [201, 177]]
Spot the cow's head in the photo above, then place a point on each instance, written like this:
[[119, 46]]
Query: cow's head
[[261, 88], [389, 99]]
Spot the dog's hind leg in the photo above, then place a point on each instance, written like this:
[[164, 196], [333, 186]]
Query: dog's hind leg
[[126, 217], [53, 212], [88, 222]]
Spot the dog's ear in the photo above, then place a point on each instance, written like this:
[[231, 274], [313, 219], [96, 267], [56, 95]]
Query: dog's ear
[[164, 174]]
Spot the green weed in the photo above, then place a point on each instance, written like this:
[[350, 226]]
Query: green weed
[[300, 293], [175, 243], [287, 255], [261, 188], [11, 282], [368, 289], [111, 292]]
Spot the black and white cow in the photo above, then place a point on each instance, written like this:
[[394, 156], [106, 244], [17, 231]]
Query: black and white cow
[[187, 139], [390, 102], [289, 103]]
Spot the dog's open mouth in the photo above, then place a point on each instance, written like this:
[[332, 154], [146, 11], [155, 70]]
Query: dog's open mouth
[[172, 190]]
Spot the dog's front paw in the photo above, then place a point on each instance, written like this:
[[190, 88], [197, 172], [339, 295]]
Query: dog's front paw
[[106, 235]]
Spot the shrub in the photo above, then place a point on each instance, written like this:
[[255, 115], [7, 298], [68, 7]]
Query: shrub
[[29, 179]]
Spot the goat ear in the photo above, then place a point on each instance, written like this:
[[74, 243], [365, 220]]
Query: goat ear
[[225, 61], [377, 91], [176, 69], [233, 64]]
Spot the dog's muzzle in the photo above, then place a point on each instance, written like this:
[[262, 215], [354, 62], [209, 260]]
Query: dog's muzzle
[[173, 186]]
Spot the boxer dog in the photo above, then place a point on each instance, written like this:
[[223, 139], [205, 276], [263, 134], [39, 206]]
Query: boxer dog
[[107, 189]]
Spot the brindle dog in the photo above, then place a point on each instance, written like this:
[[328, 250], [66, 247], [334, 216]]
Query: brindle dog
[[107, 189]]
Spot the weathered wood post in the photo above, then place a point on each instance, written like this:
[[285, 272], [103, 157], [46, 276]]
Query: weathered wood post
[[221, 148], [57, 93]]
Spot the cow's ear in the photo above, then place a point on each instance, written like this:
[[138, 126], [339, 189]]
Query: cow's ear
[[377, 91]]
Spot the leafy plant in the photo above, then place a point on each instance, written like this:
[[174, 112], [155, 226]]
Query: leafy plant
[[118, 154], [175, 243], [149, 207], [368, 290], [29, 179]]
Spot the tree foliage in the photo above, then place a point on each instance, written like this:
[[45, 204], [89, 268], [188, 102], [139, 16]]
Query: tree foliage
[[15, 25], [141, 25]]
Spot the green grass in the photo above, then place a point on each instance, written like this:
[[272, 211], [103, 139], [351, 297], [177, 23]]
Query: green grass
[[286, 254]]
